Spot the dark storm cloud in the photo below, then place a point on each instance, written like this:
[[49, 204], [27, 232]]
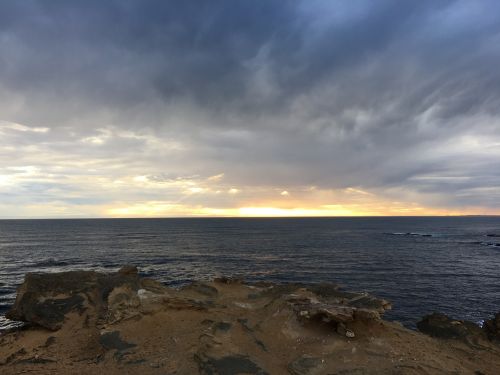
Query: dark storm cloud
[[397, 97]]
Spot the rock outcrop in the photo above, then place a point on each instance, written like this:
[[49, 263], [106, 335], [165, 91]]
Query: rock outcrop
[[88, 322], [46, 299]]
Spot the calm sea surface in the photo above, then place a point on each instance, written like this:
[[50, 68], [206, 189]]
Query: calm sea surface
[[420, 264]]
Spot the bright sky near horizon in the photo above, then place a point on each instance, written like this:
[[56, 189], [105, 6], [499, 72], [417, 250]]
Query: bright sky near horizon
[[249, 108]]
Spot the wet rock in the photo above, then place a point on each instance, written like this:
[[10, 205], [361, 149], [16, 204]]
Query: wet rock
[[228, 365], [441, 326], [306, 365]]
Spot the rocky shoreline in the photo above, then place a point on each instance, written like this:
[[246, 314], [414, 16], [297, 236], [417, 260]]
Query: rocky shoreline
[[85, 322]]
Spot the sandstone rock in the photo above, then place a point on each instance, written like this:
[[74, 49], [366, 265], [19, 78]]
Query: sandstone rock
[[45, 299], [326, 304]]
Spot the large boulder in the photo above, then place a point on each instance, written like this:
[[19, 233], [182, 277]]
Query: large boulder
[[46, 299], [442, 326]]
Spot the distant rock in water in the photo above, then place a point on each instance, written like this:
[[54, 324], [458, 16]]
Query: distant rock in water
[[494, 244], [410, 234]]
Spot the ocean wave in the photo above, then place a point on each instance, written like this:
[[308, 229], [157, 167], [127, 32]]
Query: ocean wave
[[6, 324], [136, 236], [414, 234], [481, 243], [493, 244], [7, 296], [50, 262]]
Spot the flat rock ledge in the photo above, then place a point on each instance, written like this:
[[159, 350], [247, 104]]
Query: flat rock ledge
[[87, 322]]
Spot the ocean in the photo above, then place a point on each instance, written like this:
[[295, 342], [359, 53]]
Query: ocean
[[420, 264]]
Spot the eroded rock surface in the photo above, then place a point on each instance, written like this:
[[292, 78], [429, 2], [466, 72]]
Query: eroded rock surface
[[87, 322], [45, 299]]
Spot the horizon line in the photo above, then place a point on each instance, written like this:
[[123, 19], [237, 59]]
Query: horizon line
[[238, 217]]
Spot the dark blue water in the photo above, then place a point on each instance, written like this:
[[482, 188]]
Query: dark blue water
[[421, 264]]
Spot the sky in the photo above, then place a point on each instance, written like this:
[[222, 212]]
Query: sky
[[124, 108]]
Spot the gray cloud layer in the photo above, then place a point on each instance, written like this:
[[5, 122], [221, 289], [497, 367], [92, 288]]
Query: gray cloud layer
[[394, 97]]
